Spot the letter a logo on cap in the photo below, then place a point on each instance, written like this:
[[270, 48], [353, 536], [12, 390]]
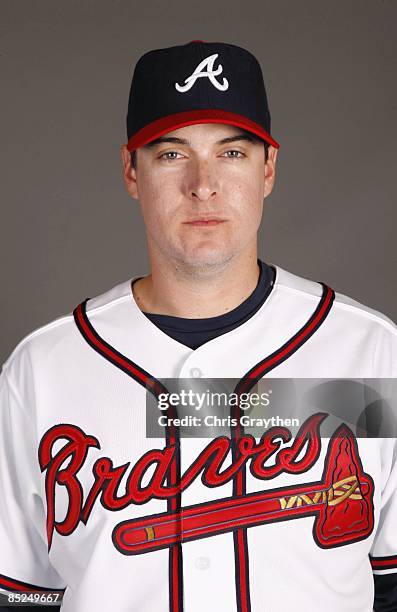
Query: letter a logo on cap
[[210, 73]]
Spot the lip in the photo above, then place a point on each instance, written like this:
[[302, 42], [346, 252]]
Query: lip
[[205, 222]]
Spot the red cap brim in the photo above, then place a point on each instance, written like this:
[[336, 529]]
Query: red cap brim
[[173, 122]]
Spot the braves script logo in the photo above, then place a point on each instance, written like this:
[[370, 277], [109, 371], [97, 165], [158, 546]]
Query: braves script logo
[[210, 73], [342, 501]]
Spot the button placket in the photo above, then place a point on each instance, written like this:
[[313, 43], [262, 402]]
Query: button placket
[[195, 372]]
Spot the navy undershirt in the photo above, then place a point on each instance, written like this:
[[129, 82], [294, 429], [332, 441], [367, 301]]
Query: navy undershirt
[[195, 332]]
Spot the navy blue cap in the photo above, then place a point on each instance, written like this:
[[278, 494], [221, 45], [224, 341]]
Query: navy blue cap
[[199, 82]]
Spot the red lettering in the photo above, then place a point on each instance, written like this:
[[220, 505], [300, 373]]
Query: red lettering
[[63, 467], [75, 450]]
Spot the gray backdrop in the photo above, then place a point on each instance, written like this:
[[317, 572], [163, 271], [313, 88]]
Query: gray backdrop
[[69, 230]]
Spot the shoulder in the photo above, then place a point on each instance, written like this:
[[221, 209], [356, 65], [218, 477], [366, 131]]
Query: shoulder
[[61, 336], [352, 331], [344, 308]]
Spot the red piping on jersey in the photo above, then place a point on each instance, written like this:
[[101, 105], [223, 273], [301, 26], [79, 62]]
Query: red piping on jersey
[[284, 352], [172, 438], [105, 349], [379, 563], [247, 382], [10, 584]]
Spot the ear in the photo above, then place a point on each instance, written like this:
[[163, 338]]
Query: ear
[[129, 173], [270, 170]]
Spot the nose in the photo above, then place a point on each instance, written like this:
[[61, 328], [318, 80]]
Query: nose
[[202, 181]]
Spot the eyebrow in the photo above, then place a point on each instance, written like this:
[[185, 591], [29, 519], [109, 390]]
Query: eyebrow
[[184, 141]]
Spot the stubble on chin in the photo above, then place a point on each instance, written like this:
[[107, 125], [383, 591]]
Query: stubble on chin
[[201, 267]]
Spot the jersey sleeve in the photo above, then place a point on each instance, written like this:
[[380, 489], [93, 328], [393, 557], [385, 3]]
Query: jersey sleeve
[[383, 554], [24, 560]]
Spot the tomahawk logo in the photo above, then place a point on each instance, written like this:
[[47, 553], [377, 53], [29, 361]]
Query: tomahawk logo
[[210, 73]]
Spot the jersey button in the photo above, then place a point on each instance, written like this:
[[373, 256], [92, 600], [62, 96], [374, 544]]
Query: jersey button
[[202, 563], [195, 372]]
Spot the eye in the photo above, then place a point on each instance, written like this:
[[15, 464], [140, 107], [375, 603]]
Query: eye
[[169, 155], [234, 154]]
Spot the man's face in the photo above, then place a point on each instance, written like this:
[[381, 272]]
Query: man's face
[[201, 190]]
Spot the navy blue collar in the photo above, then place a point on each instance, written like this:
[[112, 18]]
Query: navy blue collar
[[195, 332]]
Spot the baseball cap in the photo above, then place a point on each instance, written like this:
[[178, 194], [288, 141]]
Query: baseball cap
[[199, 82]]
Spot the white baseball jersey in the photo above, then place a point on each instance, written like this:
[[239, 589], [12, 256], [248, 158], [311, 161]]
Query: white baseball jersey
[[123, 522]]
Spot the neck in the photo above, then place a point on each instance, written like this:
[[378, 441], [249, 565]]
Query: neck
[[171, 291]]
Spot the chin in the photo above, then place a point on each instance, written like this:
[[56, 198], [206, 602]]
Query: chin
[[204, 261]]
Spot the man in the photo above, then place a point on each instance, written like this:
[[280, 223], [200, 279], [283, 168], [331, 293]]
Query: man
[[92, 506]]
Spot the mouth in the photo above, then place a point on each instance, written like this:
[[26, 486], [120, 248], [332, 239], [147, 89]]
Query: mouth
[[204, 222]]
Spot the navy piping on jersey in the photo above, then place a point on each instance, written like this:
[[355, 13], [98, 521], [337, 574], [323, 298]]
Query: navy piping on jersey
[[9, 584], [244, 385], [175, 560], [383, 563]]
